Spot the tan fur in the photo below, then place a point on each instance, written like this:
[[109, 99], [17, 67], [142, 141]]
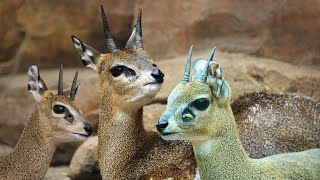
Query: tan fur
[[43, 132], [274, 123], [125, 149], [214, 135]]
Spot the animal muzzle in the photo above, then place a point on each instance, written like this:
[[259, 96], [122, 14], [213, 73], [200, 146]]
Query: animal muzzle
[[88, 128], [162, 124], [158, 75]]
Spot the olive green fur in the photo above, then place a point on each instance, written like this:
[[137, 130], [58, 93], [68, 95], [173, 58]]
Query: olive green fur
[[217, 147]]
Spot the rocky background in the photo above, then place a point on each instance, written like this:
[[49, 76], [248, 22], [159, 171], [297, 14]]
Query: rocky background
[[261, 45]]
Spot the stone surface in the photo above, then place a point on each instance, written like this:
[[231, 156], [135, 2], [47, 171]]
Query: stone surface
[[38, 32], [284, 30], [57, 173], [5, 150], [84, 163]]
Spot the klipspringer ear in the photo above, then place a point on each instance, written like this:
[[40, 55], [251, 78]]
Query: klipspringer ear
[[208, 71], [219, 87], [88, 54], [35, 84], [135, 40], [131, 43]]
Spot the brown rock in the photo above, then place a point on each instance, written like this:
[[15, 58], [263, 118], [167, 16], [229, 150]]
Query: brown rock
[[284, 30], [57, 173], [39, 32], [84, 164], [5, 150], [151, 114]]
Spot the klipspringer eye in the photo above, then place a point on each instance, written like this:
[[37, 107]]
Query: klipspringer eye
[[58, 109], [117, 70], [201, 104]]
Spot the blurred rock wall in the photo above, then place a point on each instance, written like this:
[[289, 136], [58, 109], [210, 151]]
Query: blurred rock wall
[[281, 29], [35, 31]]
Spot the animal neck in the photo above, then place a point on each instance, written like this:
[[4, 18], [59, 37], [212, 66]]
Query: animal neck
[[32, 155], [121, 136], [219, 157]]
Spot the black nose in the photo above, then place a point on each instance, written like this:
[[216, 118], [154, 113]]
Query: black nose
[[158, 76], [161, 126], [88, 128]]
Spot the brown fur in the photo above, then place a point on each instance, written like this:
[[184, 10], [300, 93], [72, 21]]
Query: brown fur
[[273, 123], [115, 100], [31, 157], [125, 149]]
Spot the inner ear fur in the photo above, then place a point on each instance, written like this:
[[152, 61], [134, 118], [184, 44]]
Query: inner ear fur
[[36, 84], [219, 87], [89, 55]]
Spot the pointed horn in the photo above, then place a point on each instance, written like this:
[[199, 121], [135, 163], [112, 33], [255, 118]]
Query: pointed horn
[[60, 82], [185, 77], [77, 89], [212, 54], [110, 43], [203, 77], [74, 86], [139, 42]]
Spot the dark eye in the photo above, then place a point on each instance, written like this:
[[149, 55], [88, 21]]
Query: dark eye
[[58, 109], [201, 104], [154, 65], [116, 70]]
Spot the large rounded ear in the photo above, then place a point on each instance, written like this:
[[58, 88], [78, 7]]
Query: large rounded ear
[[35, 84], [88, 54], [219, 86]]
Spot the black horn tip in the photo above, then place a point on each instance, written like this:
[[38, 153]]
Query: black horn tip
[[60, 82], [139, 12], [105, 22], [38, 74], [74, 86], [101, 7], [139, 29]]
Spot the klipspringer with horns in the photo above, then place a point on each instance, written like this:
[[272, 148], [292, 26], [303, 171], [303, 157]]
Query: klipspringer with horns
[[56, 119], [199, 111]]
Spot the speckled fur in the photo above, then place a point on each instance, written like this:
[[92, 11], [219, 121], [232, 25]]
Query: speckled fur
[[32, 155], [217, 145], [125, 149], [273, 123]]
